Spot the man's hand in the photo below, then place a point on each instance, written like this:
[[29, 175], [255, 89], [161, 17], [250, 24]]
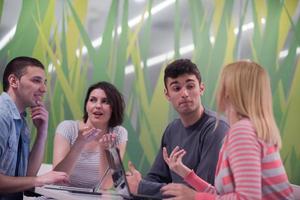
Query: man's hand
[[52, 177], [134, 178], [39, 116], [177, 191]]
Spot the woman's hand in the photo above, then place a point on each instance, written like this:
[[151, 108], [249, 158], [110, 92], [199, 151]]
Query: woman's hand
[[174, 161], [108, 141], [88, 134]]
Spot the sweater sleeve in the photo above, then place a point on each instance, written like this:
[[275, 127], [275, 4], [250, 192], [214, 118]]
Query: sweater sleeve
[[244, 157], [199, 184]]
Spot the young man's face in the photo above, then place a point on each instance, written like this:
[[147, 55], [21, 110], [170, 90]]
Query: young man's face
[[184, 93], [31, 87]]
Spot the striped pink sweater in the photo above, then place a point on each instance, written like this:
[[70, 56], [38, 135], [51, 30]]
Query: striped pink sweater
[[248, 168]]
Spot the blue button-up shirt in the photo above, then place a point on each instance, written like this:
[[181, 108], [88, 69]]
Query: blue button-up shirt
[[12, 126]]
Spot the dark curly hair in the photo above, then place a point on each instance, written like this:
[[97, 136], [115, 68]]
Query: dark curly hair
[[180, 67]]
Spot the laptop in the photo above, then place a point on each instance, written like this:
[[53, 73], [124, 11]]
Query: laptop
[[119, 176], [95, 190]]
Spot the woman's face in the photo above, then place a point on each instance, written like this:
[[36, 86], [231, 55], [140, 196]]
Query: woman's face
[[98, 108]]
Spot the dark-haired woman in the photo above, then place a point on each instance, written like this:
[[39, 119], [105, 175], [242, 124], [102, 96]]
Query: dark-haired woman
[[79, 145]]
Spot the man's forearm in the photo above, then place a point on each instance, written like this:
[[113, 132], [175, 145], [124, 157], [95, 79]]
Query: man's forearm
[[150, 188], [36, 155], [9, 184]]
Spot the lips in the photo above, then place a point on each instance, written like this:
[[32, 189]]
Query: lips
[[38, 97], [184, 102], [98, 114]]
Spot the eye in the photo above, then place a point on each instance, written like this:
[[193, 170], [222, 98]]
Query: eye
[[190, 86], [36, 80], [176, 88], [93, 99], [105, 101]]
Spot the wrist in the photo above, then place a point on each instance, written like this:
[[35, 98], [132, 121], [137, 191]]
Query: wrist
[[184, 171], [42, 131], [37, 182]]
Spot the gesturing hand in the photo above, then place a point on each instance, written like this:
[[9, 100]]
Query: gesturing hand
[[108, 140], [88, 134], [133, 177], [174, 161]]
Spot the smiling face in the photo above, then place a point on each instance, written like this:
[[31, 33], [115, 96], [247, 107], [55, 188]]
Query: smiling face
[[29, 88], [98, 109], [184, 93]]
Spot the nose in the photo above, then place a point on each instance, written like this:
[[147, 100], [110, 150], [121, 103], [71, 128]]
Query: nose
[[43, 88], [98, 104], [184, 93]]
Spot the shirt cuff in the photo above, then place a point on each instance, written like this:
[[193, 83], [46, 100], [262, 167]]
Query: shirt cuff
[[195, 181], [207, 196]]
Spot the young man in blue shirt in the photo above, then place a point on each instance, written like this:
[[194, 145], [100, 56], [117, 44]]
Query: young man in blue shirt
[[24, 85]]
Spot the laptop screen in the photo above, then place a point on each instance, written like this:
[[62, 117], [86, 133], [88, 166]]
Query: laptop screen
[[118, 171]]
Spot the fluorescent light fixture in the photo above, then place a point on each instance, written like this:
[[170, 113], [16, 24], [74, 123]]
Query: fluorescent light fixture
[[51, 66], [8, 37], [245, 27], [131, 23], [248, 26], [161, 58], [284, 53]]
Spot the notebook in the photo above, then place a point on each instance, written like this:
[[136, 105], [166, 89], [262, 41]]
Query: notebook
[[119, 176]]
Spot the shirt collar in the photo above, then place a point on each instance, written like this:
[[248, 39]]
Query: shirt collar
[[12, 106]]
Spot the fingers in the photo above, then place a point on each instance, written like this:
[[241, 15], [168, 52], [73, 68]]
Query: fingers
[[52, 177], [92, 133], [39, 112], [85, 130], [179, 154], [132, 169], [165, 155], [108, 140], [169, 189], [176, 149], [176, 154]]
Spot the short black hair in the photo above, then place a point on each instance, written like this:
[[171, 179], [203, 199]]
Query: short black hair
[[115, 100], [180, 67], [17, 66]]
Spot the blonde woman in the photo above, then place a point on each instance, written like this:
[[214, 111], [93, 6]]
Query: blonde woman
[[249, 165]]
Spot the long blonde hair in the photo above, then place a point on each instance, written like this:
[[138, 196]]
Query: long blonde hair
[[246, 86]]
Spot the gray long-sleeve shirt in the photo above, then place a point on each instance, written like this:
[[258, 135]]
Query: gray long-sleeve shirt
[[202, 142]]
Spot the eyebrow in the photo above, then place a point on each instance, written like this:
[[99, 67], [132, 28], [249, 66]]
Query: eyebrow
[[187, 81], [39, 77]]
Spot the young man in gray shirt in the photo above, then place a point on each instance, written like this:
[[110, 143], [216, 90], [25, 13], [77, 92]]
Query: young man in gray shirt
[[195, 131]]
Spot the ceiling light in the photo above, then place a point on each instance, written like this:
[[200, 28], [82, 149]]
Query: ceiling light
[[8, 37]]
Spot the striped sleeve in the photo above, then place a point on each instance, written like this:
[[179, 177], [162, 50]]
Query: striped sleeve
[[244, 156], [199, 184]]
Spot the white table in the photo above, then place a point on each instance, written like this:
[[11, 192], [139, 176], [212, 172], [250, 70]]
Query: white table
[[65, 195]]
